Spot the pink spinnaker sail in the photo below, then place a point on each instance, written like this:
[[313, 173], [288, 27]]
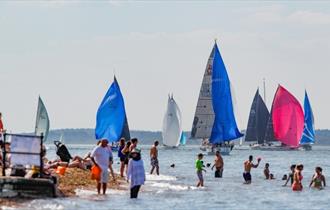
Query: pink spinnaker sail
[[288, 118]]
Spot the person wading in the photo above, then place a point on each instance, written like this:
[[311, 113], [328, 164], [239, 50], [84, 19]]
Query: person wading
[[154, 158]]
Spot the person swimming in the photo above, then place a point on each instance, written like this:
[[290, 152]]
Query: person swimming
[[248, 164], [266, 171], [318, 179]]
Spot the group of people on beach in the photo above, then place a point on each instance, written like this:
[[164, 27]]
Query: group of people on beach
[[295, 176]]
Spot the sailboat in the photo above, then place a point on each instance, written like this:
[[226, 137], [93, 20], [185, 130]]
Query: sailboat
[[172, 124], [42, 121], [287, 121], [111, 119], [308, 136], [214, 120], [258, 120]]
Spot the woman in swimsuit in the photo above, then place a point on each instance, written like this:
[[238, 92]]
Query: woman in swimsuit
[[126, 152], [318, 179], [297, 177]]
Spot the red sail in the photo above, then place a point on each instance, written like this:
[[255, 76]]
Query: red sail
[[288, 118]]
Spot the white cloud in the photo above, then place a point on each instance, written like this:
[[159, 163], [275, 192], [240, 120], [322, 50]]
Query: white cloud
[[308, 17]]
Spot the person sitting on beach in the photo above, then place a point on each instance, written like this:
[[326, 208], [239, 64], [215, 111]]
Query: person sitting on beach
[[135, 173], [199, 170], [318, 179], [290, 177], [121, 156], [218, 164], [134, 142], [247, 169], [297, 178], [100, 157], [154, 158], [266, 171]]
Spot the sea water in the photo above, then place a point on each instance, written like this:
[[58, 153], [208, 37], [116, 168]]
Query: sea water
[[175, 187]]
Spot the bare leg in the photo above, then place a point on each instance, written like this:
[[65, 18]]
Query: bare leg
[[152, 169], [111, 171], [157, 170], [98, 186], [122, 168], [104, 186]]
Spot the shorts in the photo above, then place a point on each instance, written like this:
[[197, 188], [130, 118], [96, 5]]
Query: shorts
[[126, 160], [104, 176], [122, 159], [200, 176], [247, 176], [218, 173], [154, 162]]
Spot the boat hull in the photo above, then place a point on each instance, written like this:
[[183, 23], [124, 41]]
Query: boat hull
[[224, 150]]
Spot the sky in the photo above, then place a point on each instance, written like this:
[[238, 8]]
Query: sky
[[68, 52]]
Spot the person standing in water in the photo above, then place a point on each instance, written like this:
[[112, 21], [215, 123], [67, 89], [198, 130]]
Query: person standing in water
[[154, 158], [101, 158], [135, 173], [134, 143], [218, 164], [121, 156], [199, 170], [248, 164], [290, 177], [297, 178], [318, 179]]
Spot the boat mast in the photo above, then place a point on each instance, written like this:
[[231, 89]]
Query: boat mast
[[264, 81]]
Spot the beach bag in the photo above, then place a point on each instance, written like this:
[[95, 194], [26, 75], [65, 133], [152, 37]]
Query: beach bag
[[61, 170], [96, 173]]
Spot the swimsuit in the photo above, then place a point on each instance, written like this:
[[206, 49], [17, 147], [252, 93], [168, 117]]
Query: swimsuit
[[154, 162], [218, 172], [247, 176], [297, 186]]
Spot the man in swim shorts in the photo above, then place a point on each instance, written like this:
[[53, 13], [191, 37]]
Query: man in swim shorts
[[154, 158], [218, 164], [247, 169]]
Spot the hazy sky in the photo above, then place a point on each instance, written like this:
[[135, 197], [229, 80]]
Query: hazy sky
[[68, 51]]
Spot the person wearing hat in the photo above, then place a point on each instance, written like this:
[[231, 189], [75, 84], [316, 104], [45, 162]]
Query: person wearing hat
[[100, 157], [135, 173]]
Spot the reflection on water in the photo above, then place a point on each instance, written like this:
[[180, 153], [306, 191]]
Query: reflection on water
[[175, 188]]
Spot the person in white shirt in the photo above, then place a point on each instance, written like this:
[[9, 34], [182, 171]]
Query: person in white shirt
[[100, 157]]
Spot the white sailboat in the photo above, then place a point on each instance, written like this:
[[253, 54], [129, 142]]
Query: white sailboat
[[172, 125], [42, 120]]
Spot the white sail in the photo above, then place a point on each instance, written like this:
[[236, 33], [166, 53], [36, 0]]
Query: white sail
[[42, 120], [172, 126], [204, 114]]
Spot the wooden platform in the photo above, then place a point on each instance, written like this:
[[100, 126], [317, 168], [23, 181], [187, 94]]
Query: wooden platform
[[22, 187]]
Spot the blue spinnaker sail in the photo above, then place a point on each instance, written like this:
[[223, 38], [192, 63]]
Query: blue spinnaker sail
[[111, 115], [183, 139], [308, 136], [224, 126]]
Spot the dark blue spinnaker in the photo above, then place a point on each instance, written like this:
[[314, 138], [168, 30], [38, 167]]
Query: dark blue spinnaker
[[224, 126], [308, 136]]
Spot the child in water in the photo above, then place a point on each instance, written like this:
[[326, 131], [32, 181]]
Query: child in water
[[297, 178], [318, 179], [199, 170]]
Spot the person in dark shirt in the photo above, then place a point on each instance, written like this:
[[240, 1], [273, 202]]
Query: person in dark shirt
[[290, 177]]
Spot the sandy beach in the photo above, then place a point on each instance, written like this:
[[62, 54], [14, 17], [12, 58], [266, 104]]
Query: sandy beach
[[73, 179]]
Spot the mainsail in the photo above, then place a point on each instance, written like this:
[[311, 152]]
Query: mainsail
[[224, 126], [111, 120], [172, 129], [308, 136], [288, 118], [258, 120], [42, 120], [204, 115]]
